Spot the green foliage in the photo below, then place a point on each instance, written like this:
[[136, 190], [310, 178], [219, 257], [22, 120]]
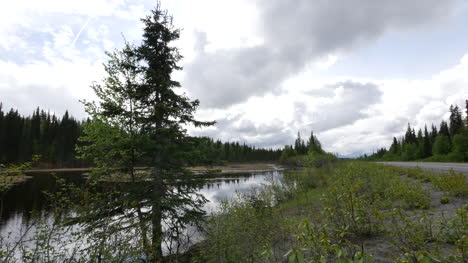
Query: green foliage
[[287, 153], [441, 145], [12, 174], [359, 193], [242, 230], [454, 231], [294, 156], [313, 243], [412, 236], [211, 152], [419, 257], [330, 212], [304, 180], [108, 146], [313, 145], [299, 145], [452, 182], [349, 206], [310, 160], [445, 199], [42, 133], [456, 120], [449, 144], [410, 152], [460, 145], [318, 160], [141, 119]]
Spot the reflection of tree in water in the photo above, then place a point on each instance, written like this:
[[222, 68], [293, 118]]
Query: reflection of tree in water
[[118, 226]]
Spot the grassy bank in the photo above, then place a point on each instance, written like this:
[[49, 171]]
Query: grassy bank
[[346, 212]]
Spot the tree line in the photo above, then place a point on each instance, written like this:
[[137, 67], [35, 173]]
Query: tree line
[[54, 139], [42, 133], [216, 152], [301, 147], [448, 142]]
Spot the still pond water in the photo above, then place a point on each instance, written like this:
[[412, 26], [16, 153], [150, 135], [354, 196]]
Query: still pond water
[[20, 201]]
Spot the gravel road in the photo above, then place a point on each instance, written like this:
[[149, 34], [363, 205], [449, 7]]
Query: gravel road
[[436, 167]]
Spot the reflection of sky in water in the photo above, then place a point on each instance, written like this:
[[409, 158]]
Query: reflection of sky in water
[[226, 187], [216, 190], [28, 196]]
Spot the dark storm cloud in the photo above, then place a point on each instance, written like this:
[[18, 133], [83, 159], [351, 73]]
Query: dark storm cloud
[[294, 33]]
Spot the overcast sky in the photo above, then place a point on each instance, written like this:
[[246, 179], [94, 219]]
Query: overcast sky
[[356, 72]]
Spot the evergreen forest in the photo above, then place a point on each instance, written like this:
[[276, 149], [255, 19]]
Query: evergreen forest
[[55, 137], [154, 193], [446, 143]]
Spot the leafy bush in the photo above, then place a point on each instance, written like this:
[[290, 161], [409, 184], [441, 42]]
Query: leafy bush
[[411, 193], [445, 200], [242, 230], [354, 199], [359, 193], [414, 237], [313, 243], [452, 182], [455, 231], [339, 206], [319, 160], [312, 159]]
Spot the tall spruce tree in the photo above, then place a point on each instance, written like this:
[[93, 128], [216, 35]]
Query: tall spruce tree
[[394, 148], [433, 133], [313, 144], [410, 135], [444, 129], [427, 145], [140, 106], [466, 113], [2, 133], [299, 145], [455, 120], [420, 143]]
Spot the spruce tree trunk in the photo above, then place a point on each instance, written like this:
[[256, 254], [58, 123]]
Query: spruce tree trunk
[[156, 217]]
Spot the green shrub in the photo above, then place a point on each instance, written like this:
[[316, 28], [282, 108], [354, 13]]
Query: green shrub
[[313, 243], [455, 231], [445, 200], [319, 160], [355, 197], [411, 193], [242, 231], [311, 160], [413, 235], [452, 182], [419, 173]]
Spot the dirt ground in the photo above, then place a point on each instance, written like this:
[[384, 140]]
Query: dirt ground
[[381, 246]]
